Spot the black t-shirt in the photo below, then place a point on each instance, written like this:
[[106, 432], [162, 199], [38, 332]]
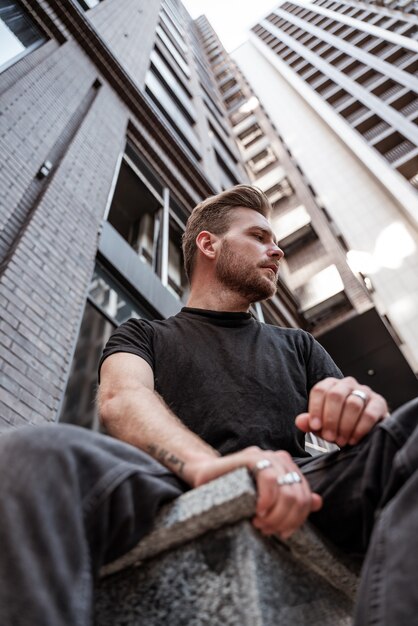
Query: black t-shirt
[[233, 381]]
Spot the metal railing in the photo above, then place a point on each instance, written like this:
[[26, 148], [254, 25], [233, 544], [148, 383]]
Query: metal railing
[[377, 130], [399, 151]]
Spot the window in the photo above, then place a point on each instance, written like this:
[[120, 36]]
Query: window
[[88, 4], [150, 220], [278, 192], [250, 135], [262, 160], [108, 305], [19, 34]]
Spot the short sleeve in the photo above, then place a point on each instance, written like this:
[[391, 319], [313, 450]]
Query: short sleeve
[[135, 337], [319, 364]]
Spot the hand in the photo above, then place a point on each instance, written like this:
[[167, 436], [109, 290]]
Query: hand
[[281, 509], [336, 415]]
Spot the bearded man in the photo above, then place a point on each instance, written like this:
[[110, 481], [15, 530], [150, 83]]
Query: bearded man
[[198, 395]]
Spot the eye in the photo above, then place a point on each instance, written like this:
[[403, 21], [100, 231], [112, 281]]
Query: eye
[[259, 236]]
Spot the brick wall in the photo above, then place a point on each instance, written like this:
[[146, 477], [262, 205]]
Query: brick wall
[[128, 28], [43, 285]]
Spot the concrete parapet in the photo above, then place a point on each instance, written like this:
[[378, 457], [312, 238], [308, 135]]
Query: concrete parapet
[[204, 564]]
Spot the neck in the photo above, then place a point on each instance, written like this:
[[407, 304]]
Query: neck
[[216, 298]]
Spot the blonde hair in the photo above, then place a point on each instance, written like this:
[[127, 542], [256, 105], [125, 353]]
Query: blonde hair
[[214, 215]]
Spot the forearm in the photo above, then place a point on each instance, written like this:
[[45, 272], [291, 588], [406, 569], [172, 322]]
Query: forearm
[[140, 417]]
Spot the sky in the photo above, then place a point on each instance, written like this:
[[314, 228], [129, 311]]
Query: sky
[[231, 19]]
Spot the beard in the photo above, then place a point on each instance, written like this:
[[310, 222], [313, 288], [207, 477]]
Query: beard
[[246, 280]]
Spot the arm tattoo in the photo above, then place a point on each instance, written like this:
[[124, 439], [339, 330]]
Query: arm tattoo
[[167, 458]]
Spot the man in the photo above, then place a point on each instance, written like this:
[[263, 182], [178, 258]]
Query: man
[[232, 381], [203, 393]]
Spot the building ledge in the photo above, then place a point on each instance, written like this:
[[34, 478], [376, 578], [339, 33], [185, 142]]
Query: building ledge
[[204, 563]]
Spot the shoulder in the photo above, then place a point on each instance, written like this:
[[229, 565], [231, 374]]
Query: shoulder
[[294, 336], [303, 344], [134, 336]]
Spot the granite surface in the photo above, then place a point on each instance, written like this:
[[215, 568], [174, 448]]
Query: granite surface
[[228, 577], [204, 564]]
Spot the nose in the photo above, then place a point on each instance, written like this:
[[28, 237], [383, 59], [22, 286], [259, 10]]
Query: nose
[[275, 251]]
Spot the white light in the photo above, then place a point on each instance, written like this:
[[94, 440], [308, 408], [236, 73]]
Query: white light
[[403, 310], [363, 262], [249, 106], [393, 245]]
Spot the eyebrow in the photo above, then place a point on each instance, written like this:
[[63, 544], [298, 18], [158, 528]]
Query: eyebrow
[[265, 231]]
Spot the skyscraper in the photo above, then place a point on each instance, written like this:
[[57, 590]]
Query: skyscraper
[[339, 82]]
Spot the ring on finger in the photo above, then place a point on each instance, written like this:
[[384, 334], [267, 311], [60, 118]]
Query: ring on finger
[[261, 465], [360, 394], [291, 478]]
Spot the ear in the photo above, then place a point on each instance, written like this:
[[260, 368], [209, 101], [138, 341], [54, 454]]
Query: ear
[[207, 243]]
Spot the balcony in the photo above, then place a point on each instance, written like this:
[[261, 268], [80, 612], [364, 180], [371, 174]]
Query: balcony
[[262, 160], [403, 60], [293, 228], [410, 108], [375, 131], [356, 115], [322, 294], [339, 104], [389, 93], [372, 80], [414, 181], [399, 151]]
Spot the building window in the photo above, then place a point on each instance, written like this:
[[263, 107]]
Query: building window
[[249, 136], [261, 161], [88, 4], [279, 191], [150, 220], [19, 34], [107, 306]]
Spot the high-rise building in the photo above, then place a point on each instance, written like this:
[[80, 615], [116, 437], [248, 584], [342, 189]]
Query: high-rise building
[[112, 129], [339, 82], [315, 266]]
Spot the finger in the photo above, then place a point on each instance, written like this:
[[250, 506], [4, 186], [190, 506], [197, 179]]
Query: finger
[[316, 402], [293, 505], [302, 422], [295, 518], [290, 510], [317, 502], [351, 413], [373, 412], [267, 492], [333, 407]]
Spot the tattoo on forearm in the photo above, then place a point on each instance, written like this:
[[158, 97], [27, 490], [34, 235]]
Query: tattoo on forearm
[[167, 458]]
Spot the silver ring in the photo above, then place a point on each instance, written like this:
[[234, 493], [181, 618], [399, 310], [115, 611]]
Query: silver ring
[[260, 466], [289, 479], [359, 394]]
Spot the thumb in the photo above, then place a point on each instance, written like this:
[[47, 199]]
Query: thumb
[[316, 503], [302, 422]]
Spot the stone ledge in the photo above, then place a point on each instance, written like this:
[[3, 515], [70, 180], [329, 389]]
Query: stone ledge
[[204, 564], [223, 501], [232, 576]]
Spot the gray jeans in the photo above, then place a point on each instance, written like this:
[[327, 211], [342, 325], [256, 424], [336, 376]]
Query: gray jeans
[[72, 500]]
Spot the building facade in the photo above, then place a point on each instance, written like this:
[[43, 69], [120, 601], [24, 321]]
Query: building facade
[[339, 82], [111, 133], [112, 129]]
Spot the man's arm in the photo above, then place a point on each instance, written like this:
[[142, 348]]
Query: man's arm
[[337, 415], [132, 411]]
